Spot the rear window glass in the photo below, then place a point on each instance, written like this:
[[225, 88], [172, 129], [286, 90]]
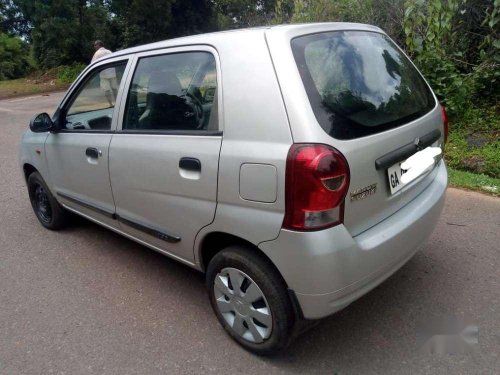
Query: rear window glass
[[359, 83]]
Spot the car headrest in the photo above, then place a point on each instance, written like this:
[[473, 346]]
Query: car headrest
[[164, 82]]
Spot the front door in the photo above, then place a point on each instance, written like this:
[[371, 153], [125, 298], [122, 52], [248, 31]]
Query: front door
[[78, 153], [164, 159]]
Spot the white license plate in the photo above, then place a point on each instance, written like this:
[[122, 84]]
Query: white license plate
[[394, 174]]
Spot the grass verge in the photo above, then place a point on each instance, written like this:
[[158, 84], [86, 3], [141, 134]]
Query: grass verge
[[474, 181], [55, 79], [25, 87], [474, 141]]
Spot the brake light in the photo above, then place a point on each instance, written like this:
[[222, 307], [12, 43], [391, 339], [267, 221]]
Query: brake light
[[317, 180], [444, 117]]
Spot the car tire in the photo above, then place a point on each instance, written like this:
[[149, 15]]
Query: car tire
[[261, 324], [47, 210]]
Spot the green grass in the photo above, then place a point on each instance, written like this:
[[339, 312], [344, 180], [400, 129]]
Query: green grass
[[474, 141], [38, 82], [68, 73], [474, 181], [24, 86]]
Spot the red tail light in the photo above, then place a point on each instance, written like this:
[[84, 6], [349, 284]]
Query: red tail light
[[317, 179], [444, 117]]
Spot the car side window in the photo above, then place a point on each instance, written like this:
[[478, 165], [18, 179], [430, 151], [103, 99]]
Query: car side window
[[173, 92], [92, 107]]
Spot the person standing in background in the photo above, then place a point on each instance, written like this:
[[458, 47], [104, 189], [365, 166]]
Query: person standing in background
[[108, 76]]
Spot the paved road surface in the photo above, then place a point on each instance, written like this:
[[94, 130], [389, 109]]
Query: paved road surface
[[87, 301]]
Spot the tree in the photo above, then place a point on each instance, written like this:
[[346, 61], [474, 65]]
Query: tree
[[192, 17], [387, 14], [245, 13], [61, 31], [14, 57], [143, 21], [12, 20], [56, 33]]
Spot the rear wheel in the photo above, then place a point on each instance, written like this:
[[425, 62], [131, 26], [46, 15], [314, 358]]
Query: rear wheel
[[47, 210], [250, 300]]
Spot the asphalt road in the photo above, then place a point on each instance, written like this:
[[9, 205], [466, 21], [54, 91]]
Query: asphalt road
[[87, 301]]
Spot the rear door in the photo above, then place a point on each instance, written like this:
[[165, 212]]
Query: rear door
[[353, 88], [164, 156]]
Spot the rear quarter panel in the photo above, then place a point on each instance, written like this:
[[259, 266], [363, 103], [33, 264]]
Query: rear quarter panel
[[256, 131]]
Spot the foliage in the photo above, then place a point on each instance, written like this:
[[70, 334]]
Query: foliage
[[459, 58], [387, 14], [139, 22], [29, 86], [67, 74], [325, 10], [474, 143], [12, 20], [14, 57], [474, 181], [143, 21], [455, 43], [244, 13], [62, 31]]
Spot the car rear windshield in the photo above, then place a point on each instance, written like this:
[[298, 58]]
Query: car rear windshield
[[359, 83]]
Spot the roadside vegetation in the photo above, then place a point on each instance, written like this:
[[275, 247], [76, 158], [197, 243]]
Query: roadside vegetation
[[474, 181], [455, 43], [39, 82]]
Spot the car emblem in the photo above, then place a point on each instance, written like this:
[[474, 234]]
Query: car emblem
[[362, 193], [418, 143]]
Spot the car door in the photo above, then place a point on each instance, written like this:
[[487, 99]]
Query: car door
[[164, 155], [77, 153]]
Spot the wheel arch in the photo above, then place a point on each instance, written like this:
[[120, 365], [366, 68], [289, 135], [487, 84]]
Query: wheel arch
[[214, 242], [28, 169]]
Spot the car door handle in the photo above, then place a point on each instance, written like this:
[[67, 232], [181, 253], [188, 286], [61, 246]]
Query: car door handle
[[93, 152], [190, 164]]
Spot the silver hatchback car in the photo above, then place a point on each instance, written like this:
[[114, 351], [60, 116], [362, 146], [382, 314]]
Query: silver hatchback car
[[297, 166]]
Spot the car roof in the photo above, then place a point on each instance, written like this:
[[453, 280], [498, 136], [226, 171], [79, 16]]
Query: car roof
[[213, 38]]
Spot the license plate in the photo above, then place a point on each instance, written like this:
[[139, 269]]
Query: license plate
[[394, 174]]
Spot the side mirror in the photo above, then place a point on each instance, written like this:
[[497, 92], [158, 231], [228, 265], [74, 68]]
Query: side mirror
[[41, 123]]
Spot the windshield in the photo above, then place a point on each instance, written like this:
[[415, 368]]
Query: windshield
[[359, 83]]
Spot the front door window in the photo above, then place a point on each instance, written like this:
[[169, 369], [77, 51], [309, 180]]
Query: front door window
[[92, 107]]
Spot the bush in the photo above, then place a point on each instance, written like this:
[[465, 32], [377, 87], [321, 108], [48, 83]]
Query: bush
[[455, 44], [14, 57], [474, 141], [68, 73]]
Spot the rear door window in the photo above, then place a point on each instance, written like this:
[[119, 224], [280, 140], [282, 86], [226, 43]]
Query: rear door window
[[359, 83], [174, 92]]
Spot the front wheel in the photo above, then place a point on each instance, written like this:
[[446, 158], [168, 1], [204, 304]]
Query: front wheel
[[250, 300], [47, 210]]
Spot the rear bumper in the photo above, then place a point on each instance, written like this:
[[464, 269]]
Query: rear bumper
[[329, 269]]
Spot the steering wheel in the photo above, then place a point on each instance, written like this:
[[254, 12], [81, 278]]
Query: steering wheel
[[197, 109]]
